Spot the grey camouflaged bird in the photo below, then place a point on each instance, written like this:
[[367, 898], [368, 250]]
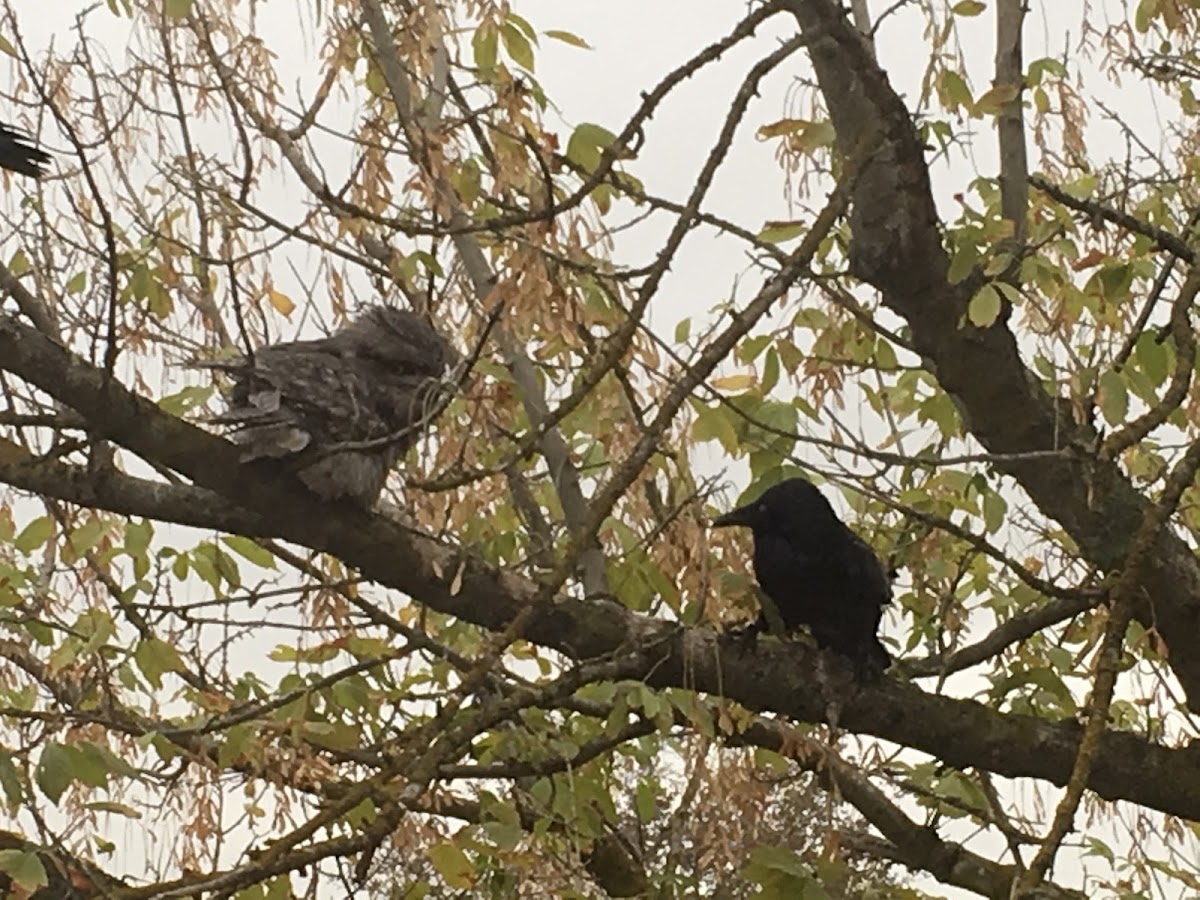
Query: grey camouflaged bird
[[17, 154], [375, 380]]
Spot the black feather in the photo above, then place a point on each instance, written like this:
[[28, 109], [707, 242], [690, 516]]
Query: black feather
[[817, 572], [17, 154]]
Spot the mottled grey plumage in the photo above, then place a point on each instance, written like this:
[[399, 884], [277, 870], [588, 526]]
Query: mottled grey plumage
[[17, 154], [371, 380]]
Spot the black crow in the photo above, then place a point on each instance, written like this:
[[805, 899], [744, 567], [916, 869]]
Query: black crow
[[20, 156], [354, 402], [817, 572]]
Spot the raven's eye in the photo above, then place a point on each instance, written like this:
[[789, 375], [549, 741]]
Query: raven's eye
[[762, 509]]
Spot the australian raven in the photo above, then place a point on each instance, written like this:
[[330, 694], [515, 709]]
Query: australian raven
[[817, 572], [20, 156]]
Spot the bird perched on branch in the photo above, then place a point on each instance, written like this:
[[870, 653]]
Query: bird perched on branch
[[345, 407], [817, 572], [18, 155]]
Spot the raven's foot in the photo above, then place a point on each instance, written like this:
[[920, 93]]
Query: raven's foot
[[744, 638], [837, 684]]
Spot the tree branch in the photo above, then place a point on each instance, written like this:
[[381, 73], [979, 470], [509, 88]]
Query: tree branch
[[777, 677], [897, 247]]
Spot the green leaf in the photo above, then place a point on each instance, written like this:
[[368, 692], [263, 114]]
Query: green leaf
[[962, 263], [567, 38], [782, 874], [106, 761], [77, 283], [34, 535], [24, 868], [250, 551], [1112, 397], [1151, 355], [453, 865], [53, 774], [713, 423], [331, 736], [155, 658], [522, 25], [1047, 66], [781, 232], [954, 90], [968, 8], [781, 859], [1146, 13], [138, 533], [10, 782], [646, 801], [110, 806], [683, 331], [485, 45], [213, 564], [517, 46], [984, 308], [20, 263], [586, 145], [770, 376], [994, 509], [86, 536], [187, 399]]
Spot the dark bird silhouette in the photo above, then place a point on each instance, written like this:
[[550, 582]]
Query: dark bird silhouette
[[817, 572], [17, 154], [351, 403]]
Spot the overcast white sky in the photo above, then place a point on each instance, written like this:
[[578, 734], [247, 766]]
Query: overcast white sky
[[635, 43]]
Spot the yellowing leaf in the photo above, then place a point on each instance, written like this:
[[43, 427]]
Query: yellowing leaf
[[517, 46], [1147, 11], [953, 90], [782, 127], [734, 382], [567, 38], [778, 232], [25, 869], [968, 8], [11, 452], [177, 9], [996, 99], [281, 301], [984, 307], [155, 658], [453, 865]]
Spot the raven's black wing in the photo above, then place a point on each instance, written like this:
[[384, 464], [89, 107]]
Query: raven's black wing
[[866, 591], [18, 155]]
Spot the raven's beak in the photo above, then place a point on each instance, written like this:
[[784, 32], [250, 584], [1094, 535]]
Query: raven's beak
[[739, 516]]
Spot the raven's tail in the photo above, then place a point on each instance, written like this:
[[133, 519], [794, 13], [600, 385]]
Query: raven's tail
[[17, 154]]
